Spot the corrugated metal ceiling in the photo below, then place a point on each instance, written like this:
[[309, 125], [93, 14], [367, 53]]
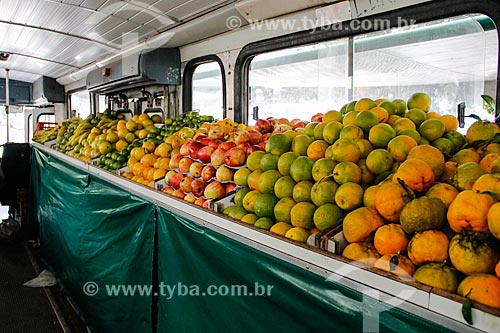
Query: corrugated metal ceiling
[[53, 37]]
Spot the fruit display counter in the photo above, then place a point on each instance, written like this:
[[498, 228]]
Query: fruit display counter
[[359, 216]]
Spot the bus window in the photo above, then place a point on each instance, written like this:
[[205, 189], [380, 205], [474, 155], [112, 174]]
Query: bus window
[[298, 82], [452, 60], [79, 102], [101, 103], [208, 90]]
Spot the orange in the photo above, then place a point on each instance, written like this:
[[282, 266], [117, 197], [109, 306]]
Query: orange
[[364, 104], [444, 192], [390, 200], [163, 150], [323, 192], [364, 146], [345, 172], [400, 146], [381, 134], [302, 215], [411, 133], [370, 195], [450, 122], [280, 228], [481, 130], [389, 106], [382, 114], [283, 208], [465, 155], [431, 155], [419, 100], [467, 174], [300, 144], [351, 132], [297, 234], [423, 213], [379, 161], [365, 120], [367, 177], [331, 132], [301, 169], [149, 159], [400, 106], [418, 116], [316, 149], [332, 115], [481, 288], [392, 119], [497, 270], [432, 129], [404, 268], [362, 252], [321, 168], [494, 220], [437, 275], [432, 115], [278, 144], [266, 180], [360, 224], [416, 174], [253, 179], [350, 118], [327, 216], [120, 145], [488, 160], [349, 196], [470, 254], [469, 211], [346, 150], [488, 183], [450, 168], [302, 191], [428, 246], [390, 238], [253, 160], [403, 123]]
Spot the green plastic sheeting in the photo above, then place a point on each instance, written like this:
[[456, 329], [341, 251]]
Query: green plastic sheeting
[[94, 232], [192, 258]]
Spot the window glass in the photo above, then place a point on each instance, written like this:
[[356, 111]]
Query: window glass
[[101, 103], [207, 90], [452, 60], [298, 82], [80, 103]]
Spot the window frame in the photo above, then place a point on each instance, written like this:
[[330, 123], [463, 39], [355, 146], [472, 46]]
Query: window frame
[[420, 13], [68, 100], [187, 81]]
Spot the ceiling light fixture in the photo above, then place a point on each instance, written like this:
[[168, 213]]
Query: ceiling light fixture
[[4, 56]]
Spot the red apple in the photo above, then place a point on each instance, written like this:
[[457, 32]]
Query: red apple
[[283, 121], [184, 150], [317, 117], [184, 164], [216, 132], [168, 190], [208, 172], [190, 198], [217, 157], [185, 184], [194, 147], [254, 136], [197, 187], [299, 124], [226, 145], [265, 137], [294, 121], [214, 190], [179, 194], [205, 153], [243, 146], [230, 187], [235, 157], [206, 204], [174, 161], [214, 143], [242, 137], [168, 175], [202, 137], [263, 126], [195, 169], [175, 180], [224, 174], [200, 201]]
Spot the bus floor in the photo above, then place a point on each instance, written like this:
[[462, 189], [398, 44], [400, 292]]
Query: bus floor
[[24, 309]]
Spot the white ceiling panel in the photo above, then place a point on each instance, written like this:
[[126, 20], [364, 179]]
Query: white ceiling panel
[[93, 4], [120, 30], [159, 23], [88, 24], [192, 8], [146, 16], [73, 2], [128, 11], [165, 6], [131, 38], [17, 75], [15, 10], [112, 6]]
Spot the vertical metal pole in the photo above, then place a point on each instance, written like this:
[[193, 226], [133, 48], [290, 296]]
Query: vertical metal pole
[[350, 68], [7, 99]]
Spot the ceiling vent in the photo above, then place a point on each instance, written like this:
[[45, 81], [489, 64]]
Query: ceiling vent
[[4, 56]]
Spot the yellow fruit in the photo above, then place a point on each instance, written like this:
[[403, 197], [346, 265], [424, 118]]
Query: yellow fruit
[[467, 174], [278, 144], [369, 196], [350, 118], [345, 172], [487, 161], [302, 215], [465, 155], [444, 192], [379, 161], [472, 254], [360, 225], [316, 149], [421, 214], [418, 116], [365, 120], [364, 104], [437, 275], [381, 134], [400, 146], [420, 101], [481, 130], [280, 228], [432, 129], [431, 155], [416, 174], [382, 114], [481, 288], [351, 132], [131, 126], [332, 116], [362, 252], [349, 196], [450, 122], [390, 200], [327, 216], [403, 123], [297, 234], [494, 221], [428, 246], [489, 183], [390, 239], [120, 145]]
